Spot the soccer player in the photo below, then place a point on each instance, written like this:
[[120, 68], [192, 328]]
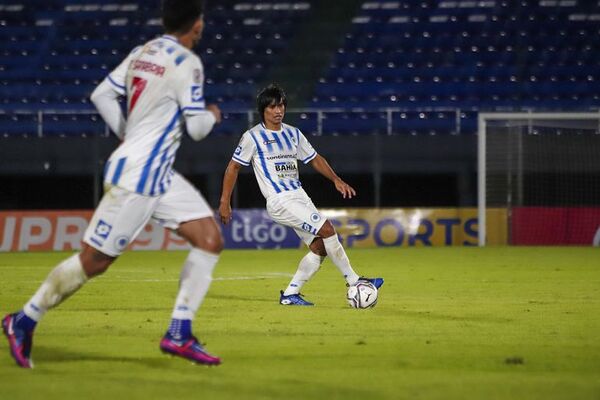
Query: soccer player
[[163, 83], [273, 148]]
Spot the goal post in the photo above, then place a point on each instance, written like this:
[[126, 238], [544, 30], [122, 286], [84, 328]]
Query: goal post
[[543, 171]]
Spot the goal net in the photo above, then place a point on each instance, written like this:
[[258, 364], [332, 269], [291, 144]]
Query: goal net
[[543, 169]]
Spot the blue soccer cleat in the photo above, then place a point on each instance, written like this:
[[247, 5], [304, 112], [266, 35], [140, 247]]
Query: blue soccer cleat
[[190, 349], [19, 341], [377, 282], [293, 300]]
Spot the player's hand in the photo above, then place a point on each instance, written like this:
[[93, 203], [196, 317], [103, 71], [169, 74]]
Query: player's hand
[[346, 190], [225, 213], [213, 108]]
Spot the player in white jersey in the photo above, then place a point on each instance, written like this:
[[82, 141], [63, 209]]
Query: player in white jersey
[[163, 83], [273, 149]]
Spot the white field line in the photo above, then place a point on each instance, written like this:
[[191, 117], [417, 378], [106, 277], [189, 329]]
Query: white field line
[[117, 278], [274, 275], [50, 267]]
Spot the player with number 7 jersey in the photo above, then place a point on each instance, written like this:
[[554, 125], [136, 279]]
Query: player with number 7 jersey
[[163, 82]]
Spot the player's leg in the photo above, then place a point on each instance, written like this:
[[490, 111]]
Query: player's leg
[[336, 252], [338, 256], [296, 211], [184, 210], [308, 267], [64, 280], [196, 275], [119, 215]]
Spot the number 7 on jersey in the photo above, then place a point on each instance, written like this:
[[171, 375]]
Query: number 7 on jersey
[[137, 87]]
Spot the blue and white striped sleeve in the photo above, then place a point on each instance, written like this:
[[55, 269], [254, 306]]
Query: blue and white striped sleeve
[[189, 84], [306, 153], [245, 150]]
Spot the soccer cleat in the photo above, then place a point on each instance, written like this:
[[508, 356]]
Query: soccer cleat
[[293, 300], [190, 349], [377, 282], [19, 341]]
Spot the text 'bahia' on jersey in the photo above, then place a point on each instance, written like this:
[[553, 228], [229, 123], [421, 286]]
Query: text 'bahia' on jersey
[[274, 155]]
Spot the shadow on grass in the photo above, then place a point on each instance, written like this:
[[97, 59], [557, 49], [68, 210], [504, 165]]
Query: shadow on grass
[[59, 355]]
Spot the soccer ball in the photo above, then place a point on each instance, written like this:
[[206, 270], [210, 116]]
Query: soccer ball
[[362, 295]]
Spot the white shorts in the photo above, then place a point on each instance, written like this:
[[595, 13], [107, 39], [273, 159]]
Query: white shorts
[[122, 214], [296, 210]]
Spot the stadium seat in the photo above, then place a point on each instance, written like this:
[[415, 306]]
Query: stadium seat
[[464, 55], [410, 57]]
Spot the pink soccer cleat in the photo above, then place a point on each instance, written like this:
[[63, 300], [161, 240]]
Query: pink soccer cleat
[[190, 349], [19, 341]]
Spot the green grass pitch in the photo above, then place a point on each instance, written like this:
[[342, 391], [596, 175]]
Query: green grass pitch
[[451, 323]]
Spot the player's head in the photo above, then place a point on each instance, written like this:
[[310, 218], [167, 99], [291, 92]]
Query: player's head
[[182, 17], [271, 103]]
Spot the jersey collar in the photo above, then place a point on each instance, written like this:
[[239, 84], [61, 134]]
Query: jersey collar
[[171, 38], [270, 130]]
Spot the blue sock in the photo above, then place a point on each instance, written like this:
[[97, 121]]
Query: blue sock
[[180, 329], [22, 321]]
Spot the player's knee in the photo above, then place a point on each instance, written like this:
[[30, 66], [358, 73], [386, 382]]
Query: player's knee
[[320, 252], [97, 269], [327, 230], [94, 262], [216, 243], [212, 243], [318, 248]]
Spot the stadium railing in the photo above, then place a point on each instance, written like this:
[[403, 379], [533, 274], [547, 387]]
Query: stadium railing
[[311, 121]]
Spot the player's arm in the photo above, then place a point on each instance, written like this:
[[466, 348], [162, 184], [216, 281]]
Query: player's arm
[[106, 96], [201, 123], [321, 165], [200, 118], [106, 99], [229, 180]]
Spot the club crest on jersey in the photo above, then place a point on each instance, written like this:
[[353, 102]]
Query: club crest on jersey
[[197, 94], [102, 229], [121, 242]]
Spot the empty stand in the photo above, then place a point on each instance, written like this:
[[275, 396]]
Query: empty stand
[[468, 55], [405, 67], [53, 53]]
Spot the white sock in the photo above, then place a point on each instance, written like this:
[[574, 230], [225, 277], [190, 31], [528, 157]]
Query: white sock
[[194, 282], [337, 254], [309, 265], [63, 281]]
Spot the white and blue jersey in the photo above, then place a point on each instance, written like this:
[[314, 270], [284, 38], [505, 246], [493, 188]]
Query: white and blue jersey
[[273, 156], [163, 82]]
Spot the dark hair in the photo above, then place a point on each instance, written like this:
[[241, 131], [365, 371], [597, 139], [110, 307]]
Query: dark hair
[[178, 16], [272, 94]]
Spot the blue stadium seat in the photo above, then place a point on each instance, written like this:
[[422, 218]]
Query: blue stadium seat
[[424, 54], [68, 46], [464, 54]]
